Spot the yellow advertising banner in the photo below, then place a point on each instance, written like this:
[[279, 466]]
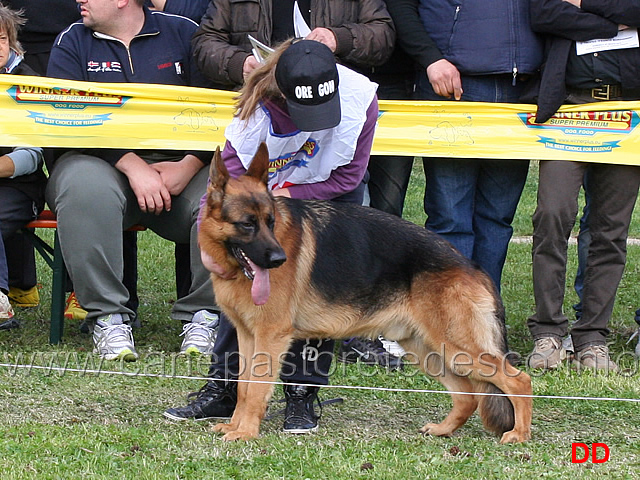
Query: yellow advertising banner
[[47, 112]]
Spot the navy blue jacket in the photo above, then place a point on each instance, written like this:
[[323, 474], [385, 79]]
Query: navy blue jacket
[[483, 37], [160, 53], [193, 9]]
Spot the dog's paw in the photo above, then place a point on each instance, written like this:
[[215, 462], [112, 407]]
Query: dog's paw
[[225, 428], [238, 435], [513, 436], [436, 429]]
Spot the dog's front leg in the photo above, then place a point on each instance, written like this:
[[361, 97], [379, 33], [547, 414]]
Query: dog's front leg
[[246, 344], [264, 366]]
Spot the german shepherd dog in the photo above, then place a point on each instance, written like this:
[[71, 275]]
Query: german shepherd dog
[[288, 269]]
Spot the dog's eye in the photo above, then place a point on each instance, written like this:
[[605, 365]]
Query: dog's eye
[[246, 226], [271, 221]]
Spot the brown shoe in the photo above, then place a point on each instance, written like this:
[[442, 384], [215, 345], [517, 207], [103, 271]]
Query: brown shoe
[[595, 357], [547, 353]]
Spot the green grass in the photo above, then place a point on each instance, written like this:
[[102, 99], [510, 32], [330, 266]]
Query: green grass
[[88, 425]]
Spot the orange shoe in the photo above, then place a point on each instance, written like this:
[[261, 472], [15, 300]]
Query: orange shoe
[[73, 310]]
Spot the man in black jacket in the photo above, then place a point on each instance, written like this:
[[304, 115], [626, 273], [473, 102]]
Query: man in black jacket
[[574, 73]]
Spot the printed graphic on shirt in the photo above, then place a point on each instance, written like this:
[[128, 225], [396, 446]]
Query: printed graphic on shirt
[[297, 159], [93, 66]]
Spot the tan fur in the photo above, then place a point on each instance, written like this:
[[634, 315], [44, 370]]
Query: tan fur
[[447, 320]]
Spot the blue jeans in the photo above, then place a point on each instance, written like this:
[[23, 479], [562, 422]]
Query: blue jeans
[[472, 202]]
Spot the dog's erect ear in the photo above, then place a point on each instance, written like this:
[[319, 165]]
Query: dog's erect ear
[[218, 173], [218, 178], [259, 167]]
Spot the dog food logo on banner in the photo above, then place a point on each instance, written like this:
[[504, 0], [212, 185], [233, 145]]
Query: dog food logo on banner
[[580, 129], [65, 99]]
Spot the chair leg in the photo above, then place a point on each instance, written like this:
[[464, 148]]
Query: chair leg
[[57, 293]]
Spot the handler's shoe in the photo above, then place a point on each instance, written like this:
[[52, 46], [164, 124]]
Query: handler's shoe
[[216, 400], [368, 351], [548, 353], [113, 339], [200, 333], [299, 416], [595, 357], [73, 310], [24, 298]]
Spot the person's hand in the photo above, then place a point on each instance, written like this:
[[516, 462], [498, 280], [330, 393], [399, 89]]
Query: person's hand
[[445, 79], [177, 175], [249, 65], [146, 183], [323, 35], [281, 192]]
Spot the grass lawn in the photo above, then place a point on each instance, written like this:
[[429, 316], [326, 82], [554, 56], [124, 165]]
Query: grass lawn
[[94, 425]]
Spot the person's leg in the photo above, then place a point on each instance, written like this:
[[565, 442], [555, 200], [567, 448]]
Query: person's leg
[[182, 253], [90, 196], [21, 261], [613, 190], [388, 182], [553, 220], [180, 226], [91, 199], [449, 200], [584, 239], [498, 190], [16, 209]]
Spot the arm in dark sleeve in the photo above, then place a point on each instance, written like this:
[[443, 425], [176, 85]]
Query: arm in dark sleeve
[[216, 56], [622, 12], [193, 9], [64, 59], [412, 36], [370, 40], [562, 19]]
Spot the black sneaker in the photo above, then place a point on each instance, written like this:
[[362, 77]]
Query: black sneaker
[[368, 351], [216, 400], [299, 416]]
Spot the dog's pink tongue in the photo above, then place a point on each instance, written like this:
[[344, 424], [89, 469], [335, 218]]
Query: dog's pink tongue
[[260, 288]]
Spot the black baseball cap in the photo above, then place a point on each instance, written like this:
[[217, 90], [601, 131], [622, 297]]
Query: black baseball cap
[[308, 77]]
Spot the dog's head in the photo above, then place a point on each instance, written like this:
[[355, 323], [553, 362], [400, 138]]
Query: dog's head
[[239, 222]]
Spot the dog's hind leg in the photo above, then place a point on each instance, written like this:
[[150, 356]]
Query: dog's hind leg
[[432, 364], [517, 386]]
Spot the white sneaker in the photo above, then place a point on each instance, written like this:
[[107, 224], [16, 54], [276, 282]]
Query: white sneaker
[[6, 310], [200, 334], [392, 347], [113, 339]]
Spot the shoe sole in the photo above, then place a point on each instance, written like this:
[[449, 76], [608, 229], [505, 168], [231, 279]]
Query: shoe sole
[[193, 351], [300, 431], [126, 355], [183, 419]]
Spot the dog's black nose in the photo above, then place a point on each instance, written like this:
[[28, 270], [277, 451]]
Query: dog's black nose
[[276, 258]]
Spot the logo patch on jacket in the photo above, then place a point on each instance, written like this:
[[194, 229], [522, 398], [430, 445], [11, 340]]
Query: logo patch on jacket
[[93, 66]]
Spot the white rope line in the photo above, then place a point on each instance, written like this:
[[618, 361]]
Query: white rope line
[[347, 387]]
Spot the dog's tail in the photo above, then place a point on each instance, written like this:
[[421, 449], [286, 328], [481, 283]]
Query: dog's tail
[[496, 411]]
